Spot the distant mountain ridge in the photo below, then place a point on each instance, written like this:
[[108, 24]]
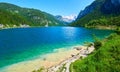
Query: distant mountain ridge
[[107, 10], [66, 19], [31, 17]]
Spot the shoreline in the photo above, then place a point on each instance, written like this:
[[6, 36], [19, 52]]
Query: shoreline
[[65, 65], [49, 61], [102, 27], [31, 27]]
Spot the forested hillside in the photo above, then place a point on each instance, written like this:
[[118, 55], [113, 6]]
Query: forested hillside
[[100, 13], [12, 15]]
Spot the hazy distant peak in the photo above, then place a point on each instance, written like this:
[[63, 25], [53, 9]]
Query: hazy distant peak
[[70, 17], [67, 19]]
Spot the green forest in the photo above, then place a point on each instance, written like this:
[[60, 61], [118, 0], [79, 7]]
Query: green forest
[[12, 15], [113, 22], [105, 58]]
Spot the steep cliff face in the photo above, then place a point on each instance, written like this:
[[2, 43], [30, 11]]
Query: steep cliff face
[[86, 11], [107, 6], [111, 6], [90, 8], [98, 9], [115, 2]]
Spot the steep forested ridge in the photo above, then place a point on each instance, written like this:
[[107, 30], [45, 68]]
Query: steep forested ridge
[[15, 15], [100, 13]]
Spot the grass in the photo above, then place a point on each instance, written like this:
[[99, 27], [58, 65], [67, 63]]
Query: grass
[[104, 59]]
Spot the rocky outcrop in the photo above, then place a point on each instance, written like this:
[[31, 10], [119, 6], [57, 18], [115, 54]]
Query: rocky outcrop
[[115, 2], [104, 6], [86, 11], [90, 8], [111, 7], [97, 10], [66, 19]]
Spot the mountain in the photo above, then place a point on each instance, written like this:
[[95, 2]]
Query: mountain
[[66, 19], [7, 18], [87, 10], [99, 13], [26, 16], [111, 7]]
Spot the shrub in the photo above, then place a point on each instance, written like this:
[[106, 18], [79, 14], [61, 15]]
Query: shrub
[[97, 44]]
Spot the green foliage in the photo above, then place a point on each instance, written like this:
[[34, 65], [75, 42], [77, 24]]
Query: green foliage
[[95, 14], [8, 18], [117, 30], [98, 18], [111, 36], [104, 59], [14, 15], [97, 44], [94, 23], [112, 21], [61, 69], [40, 70]]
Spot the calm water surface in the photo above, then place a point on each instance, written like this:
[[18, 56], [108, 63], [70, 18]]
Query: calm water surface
[[22, 44]]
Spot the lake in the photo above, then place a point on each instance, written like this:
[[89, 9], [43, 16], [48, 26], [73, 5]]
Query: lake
[[21, 44]]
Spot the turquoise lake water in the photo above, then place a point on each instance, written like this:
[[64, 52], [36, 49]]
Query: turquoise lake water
[[21, 44]]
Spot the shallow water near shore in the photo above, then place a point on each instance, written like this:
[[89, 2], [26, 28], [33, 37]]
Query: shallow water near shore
[[23, 44], [47, 61]]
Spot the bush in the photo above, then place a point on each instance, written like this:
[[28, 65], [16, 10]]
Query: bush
[[97, 44], [118, 30]]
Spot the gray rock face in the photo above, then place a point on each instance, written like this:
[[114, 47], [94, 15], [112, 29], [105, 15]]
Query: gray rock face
[[65, 19], [111, 6], [87, 10], [106, 7], [115, 2], [97, 10]]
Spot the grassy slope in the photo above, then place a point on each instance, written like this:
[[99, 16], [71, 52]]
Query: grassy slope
[[105, 59]]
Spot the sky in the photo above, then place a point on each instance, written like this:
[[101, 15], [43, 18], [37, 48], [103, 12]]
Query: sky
[[54, 7]]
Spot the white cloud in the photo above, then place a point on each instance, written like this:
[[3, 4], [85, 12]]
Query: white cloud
[[70, 17]]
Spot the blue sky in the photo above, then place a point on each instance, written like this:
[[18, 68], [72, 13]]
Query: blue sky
[[55, 7]]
